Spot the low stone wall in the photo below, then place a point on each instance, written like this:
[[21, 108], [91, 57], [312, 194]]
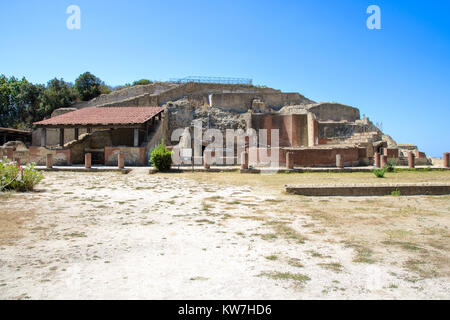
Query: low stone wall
[[324, 157], [369, 189], [61, 157], [133, 156], [313, 157]]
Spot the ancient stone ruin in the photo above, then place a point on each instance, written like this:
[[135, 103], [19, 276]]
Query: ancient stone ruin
[[133, 120]]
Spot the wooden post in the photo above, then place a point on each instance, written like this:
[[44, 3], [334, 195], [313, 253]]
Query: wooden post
[[88, 160], [61, 137], [446, 160], [136, 138], [49, 162], [411, 163], [76, 133], [121, 160]]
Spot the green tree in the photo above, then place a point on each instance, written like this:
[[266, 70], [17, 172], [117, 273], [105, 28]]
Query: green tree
[[19, 102], [57, 94], [141, 82], [89, 86]]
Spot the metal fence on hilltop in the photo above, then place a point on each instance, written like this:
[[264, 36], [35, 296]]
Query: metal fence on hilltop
[[213, 80]]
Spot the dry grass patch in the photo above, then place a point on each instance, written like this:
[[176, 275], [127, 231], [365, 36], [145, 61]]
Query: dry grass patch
[[297, 277], [12, 224]]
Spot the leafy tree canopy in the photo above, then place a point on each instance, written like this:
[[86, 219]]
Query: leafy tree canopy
[[142, 82]]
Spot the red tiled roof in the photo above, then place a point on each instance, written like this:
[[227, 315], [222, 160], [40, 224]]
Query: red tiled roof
[[104, 116]]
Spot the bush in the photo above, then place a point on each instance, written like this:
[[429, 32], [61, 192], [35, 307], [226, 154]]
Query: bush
[[379, 172], [161, 158], [390, 167], [17, 178]]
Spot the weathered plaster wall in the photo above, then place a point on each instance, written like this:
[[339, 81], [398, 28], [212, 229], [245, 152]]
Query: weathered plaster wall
[[293, 129], [334, 111], [241, 102], [133, 156]]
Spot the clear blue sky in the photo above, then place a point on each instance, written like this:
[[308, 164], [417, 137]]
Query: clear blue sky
[[398, 75]]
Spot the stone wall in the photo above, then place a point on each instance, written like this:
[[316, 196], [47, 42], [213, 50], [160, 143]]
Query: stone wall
[[61, 157], [334, 111], [323, 157], [133, 156], [242, 102], [293, 129]]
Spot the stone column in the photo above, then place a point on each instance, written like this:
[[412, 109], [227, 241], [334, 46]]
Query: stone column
[[244, 160], [446, 160], [289, 160], [121, 160], [136, 137], [49, 162], [43, 137], [411, 163], [61, 137], [383, 161], [88, 160], [339, 161], [376, 157]]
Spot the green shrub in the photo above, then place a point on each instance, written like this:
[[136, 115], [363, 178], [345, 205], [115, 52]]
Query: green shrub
[[396, 193], [379, 172], [390, 167], [161, 158], [17, 178]]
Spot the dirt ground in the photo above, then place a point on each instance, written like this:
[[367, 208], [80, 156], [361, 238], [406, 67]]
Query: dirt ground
[[221, 236]]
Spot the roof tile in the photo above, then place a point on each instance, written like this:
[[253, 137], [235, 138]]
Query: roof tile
[[104, 116]]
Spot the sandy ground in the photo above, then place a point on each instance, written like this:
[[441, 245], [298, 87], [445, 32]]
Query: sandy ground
[[114, 236]]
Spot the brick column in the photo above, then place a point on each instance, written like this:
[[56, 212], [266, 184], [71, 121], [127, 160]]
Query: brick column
[[121, 160], [289, 160], [446, 160], [244, 160], [411, 163], [88, 160], [383, 161], [207, 159], [339, 161], [376, 157], [49, 162]]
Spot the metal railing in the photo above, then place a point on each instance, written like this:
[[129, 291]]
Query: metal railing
[[213, 80]]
